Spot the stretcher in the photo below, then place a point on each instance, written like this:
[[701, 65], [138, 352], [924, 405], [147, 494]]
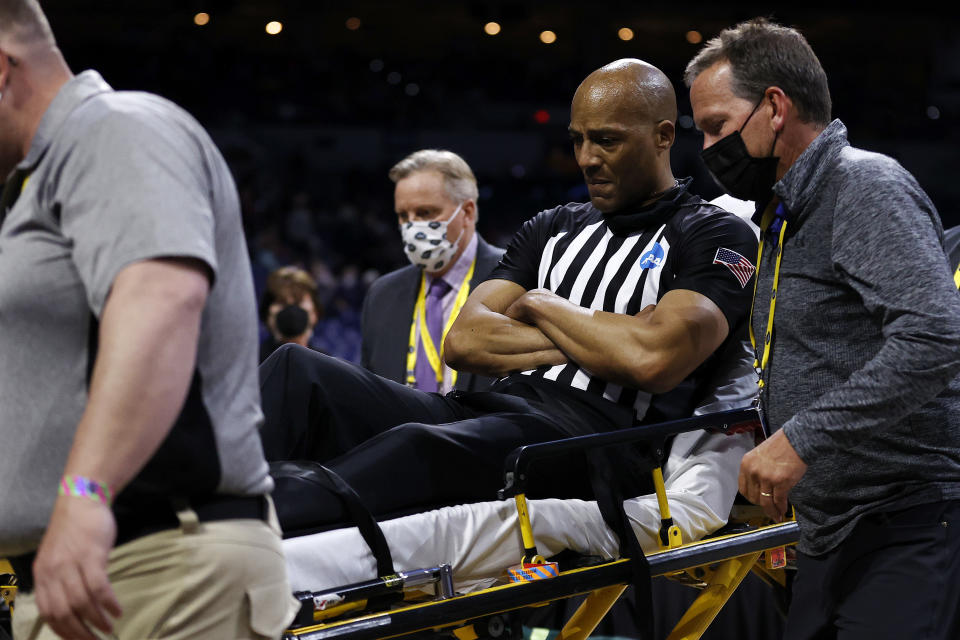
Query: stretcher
[[398, 604]]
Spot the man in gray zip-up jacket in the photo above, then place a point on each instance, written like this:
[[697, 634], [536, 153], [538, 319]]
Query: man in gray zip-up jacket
[[859, 365]]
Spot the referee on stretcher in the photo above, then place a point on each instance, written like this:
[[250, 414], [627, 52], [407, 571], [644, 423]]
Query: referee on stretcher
[[600, 316]]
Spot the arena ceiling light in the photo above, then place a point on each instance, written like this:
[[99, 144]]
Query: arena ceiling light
[[274, 27], [491, 28], [548, 37], [625, 33], [201, 19]]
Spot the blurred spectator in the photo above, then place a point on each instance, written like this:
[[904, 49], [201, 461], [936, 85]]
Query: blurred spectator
[[290, 309], [339, 333], [300, 229]]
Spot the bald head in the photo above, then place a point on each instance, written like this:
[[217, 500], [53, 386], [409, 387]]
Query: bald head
[[622, 128], [633, 87], [23, 24]]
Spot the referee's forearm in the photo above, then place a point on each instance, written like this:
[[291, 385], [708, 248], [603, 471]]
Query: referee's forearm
[[499, 346], [653, 350]]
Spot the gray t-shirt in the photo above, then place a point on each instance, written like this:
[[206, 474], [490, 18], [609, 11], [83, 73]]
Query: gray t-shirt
[[115, 178], [866, 340]]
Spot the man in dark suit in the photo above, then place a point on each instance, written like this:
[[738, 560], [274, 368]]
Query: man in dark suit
[[436, 203]]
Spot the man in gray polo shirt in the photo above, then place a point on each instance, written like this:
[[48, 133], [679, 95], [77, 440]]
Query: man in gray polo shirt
[[858, 355], [128, 378]]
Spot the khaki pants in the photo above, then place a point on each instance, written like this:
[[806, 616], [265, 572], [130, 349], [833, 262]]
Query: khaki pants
[[215, 580]]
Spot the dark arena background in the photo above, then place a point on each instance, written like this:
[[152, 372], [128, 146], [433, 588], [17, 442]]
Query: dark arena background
[[312, 102]]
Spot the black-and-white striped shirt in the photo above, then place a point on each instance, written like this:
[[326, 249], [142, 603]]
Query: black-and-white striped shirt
[[572, 251]]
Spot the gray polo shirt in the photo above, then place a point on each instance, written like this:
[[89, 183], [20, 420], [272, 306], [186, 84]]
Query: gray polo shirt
[[866, 340], [115, 178]]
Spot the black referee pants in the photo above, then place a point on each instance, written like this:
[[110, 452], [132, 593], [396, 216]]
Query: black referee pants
[[894, 576], [404, 450]]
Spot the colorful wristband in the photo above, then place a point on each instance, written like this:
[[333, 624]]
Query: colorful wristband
[[85, 488]]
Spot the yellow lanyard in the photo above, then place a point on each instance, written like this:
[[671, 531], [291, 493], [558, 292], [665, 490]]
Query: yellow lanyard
[[765, 222], [956, 277], [420, 318]]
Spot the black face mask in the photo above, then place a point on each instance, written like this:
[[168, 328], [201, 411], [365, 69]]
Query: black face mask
[[736, 171], [291, 321]]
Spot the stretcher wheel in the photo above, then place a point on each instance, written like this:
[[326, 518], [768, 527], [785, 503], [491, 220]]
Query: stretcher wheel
[[496, 627]]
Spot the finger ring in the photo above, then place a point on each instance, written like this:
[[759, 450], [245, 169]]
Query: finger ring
[[766, 495]]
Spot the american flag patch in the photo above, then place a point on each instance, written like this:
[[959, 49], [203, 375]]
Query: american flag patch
[[740, 266]]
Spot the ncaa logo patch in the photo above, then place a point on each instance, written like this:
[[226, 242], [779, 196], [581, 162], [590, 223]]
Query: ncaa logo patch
[[653, 258]]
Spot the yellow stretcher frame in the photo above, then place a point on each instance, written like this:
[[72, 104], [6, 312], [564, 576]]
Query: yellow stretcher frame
[[720, 564]]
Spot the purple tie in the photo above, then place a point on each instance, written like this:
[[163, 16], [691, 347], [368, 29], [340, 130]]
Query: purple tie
[[425, 375]]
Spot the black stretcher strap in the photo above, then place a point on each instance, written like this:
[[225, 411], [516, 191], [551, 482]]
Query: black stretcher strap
[[607, 489], [356, 510]]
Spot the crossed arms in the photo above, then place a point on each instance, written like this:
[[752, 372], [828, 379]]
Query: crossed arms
[[504, 328]]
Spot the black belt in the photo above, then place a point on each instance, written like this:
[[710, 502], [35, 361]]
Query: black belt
[[131, 526]]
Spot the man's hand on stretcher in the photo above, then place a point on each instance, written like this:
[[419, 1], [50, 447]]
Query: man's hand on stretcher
[[769, 472]]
